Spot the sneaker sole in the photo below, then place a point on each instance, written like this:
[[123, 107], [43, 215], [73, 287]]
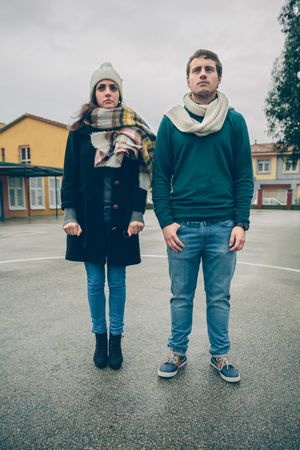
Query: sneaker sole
[[229, 380], [170, 374]]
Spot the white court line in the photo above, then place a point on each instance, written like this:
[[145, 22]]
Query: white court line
[[269, 267], [239, 262], [9, 261]]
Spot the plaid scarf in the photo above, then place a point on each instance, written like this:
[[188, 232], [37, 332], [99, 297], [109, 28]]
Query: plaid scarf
[[124, 134]]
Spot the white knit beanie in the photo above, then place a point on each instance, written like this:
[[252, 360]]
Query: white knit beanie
[[106, 72]]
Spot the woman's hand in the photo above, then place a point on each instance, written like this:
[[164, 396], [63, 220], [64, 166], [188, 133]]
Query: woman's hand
[[135, 228], [72, 229]]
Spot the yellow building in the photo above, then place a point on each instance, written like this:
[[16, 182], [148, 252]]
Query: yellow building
[[275, 174], [264, 159], [33, 141]]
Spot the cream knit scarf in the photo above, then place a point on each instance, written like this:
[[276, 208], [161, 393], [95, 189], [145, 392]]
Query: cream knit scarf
[[214, 115]]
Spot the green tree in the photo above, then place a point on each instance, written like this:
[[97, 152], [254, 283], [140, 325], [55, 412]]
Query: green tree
[[282, 106]]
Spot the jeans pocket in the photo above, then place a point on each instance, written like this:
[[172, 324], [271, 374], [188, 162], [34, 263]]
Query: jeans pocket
[[181, 225], [226, 223]]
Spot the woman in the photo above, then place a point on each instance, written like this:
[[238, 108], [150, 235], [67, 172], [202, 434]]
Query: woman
[[107, 173]]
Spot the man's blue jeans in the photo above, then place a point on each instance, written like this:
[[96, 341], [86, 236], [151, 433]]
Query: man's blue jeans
[[207, 242], [97, 301]]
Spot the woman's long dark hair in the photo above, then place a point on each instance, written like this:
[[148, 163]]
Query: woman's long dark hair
[[83, 114]]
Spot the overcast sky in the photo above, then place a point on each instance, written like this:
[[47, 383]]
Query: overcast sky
[[49, 50]]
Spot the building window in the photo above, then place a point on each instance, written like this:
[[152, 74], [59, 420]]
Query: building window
[[25, 154], [263, 166], [291, 166], [2, 154], [37, 197], [16, 195], [52, 197]]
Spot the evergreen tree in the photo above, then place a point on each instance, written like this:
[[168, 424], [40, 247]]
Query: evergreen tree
[[282, 107]]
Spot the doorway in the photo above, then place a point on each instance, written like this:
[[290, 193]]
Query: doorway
[[1, 203]]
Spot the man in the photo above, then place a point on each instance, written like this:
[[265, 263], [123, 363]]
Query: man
[[202, 190]]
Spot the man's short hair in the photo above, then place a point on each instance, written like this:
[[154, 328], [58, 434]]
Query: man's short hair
[[207, 54]]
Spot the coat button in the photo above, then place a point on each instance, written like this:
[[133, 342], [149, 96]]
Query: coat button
[[114, 228], [116, 206], [117, 183]]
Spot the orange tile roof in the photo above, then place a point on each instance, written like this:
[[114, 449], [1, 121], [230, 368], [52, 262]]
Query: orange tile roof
[[263, 148], [32, 116]]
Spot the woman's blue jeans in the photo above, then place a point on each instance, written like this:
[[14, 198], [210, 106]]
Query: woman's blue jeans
[[97, 301], [207, 242]]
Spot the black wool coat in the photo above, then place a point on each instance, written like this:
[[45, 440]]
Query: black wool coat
[[82, 189]]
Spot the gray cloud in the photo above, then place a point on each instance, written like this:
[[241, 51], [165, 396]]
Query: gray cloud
[[50, 49]]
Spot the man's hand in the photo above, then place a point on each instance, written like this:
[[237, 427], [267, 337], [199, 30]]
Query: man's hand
[[135, 228], [171, 238], [237, 239], [72, 229]]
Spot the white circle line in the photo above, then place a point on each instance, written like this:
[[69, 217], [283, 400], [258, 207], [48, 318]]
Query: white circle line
[[10, 261], [240, 262], [267, 266]]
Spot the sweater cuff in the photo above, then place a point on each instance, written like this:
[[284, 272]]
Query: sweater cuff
[[137, 216], [69, 215]]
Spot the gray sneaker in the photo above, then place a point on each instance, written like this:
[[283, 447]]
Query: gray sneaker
[[170, 368], [225, 368]]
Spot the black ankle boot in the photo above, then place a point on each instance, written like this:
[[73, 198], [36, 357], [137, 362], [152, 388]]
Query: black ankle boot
[[100, 355], [115, 358]]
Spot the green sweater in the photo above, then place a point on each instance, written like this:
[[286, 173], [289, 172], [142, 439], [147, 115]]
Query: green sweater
[[203, 178]]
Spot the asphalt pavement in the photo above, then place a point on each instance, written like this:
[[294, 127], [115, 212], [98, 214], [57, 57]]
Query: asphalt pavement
[[53, 397]]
